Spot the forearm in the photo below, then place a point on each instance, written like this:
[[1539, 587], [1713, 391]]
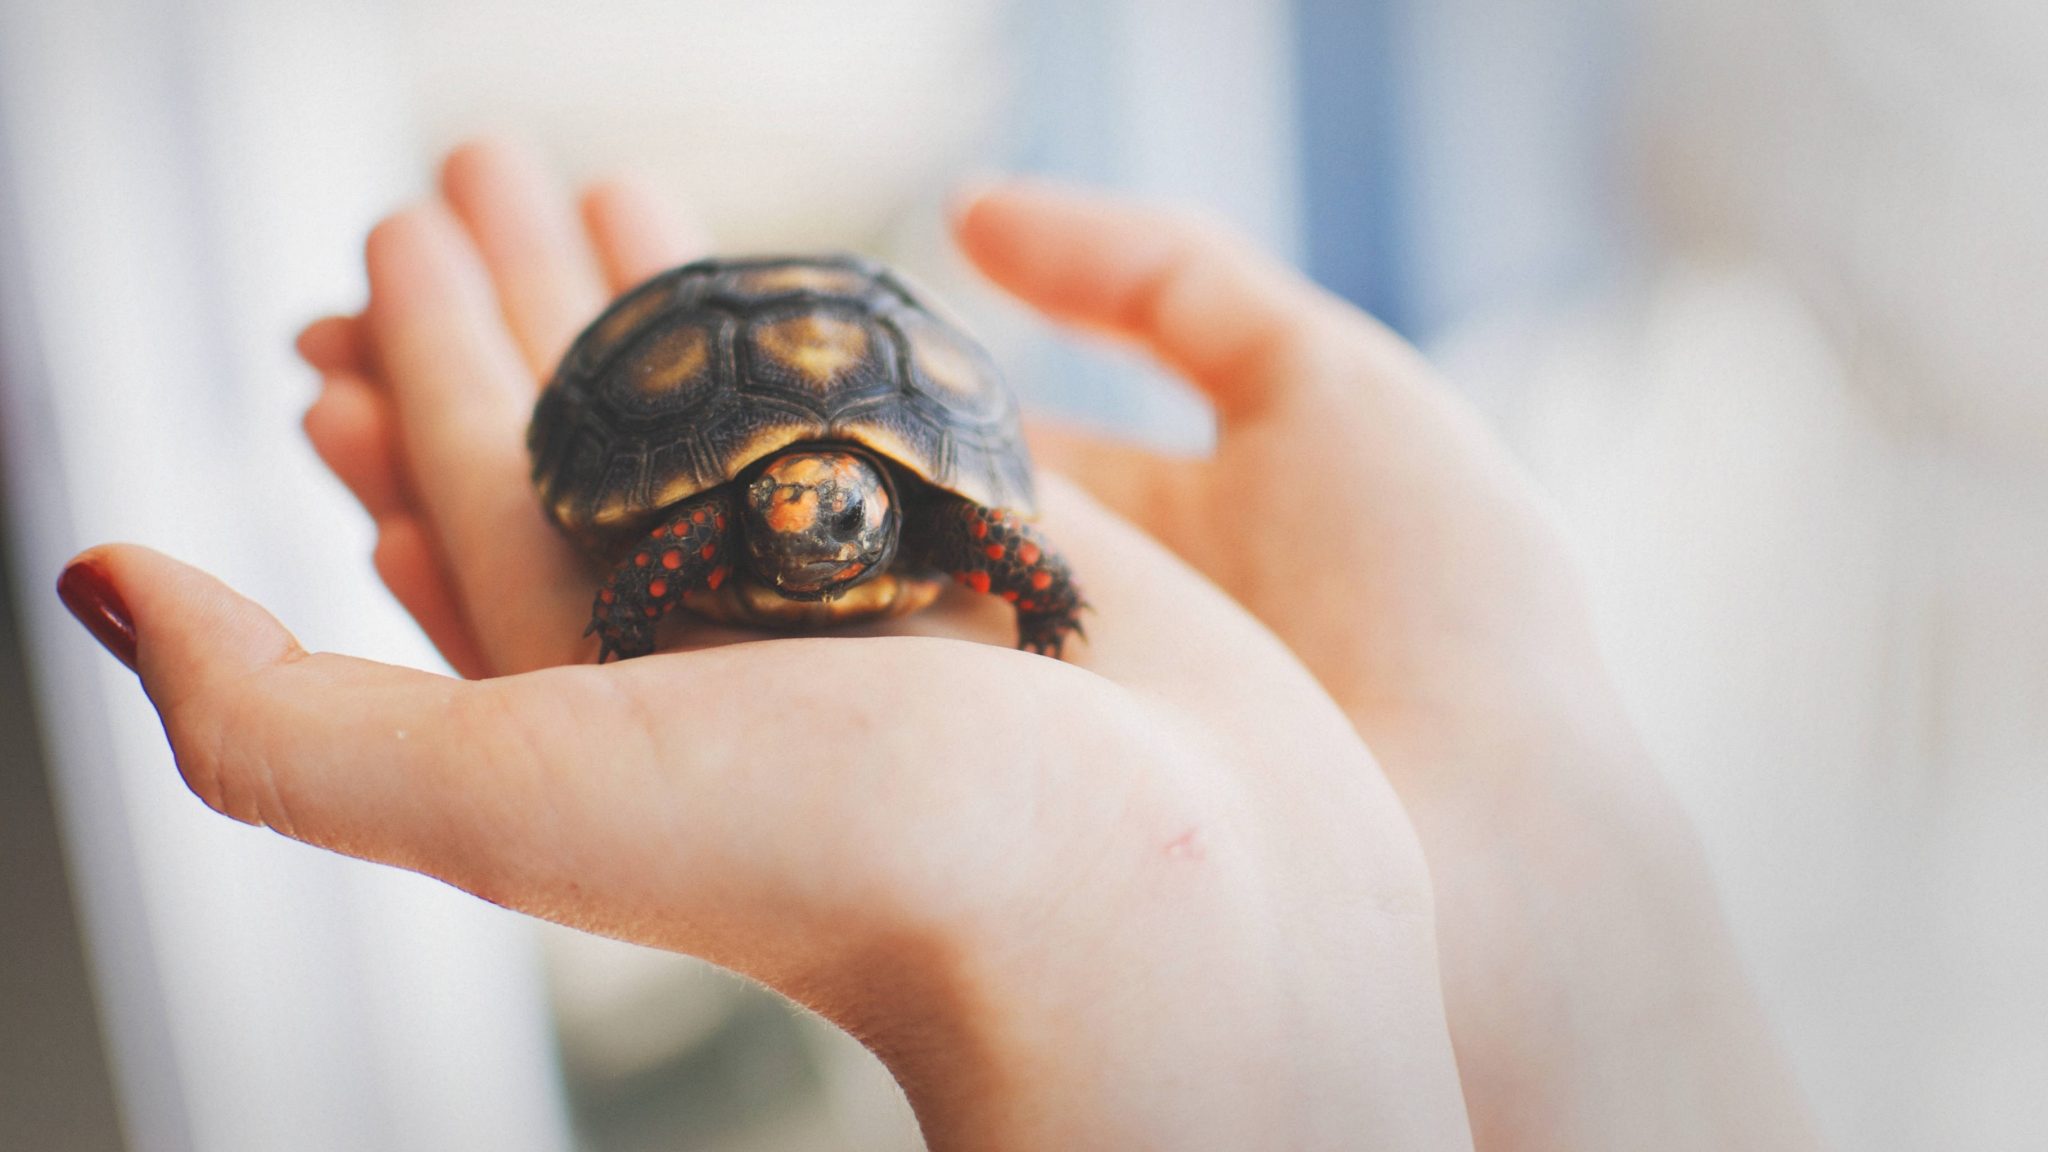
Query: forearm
[[1593, 989]]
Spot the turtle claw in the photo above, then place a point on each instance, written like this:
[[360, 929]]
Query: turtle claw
[[690, 550], [1046, 634], [623, 642], [619, 635]]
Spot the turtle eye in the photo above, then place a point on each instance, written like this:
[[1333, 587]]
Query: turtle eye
[[851, 521]]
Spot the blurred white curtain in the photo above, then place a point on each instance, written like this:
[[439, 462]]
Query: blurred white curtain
[[186, 186]]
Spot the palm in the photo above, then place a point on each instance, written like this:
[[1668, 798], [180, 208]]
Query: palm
[[424, 415]]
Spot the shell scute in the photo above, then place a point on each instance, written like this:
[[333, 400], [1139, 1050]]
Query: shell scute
[[949, 370], [823, 359]]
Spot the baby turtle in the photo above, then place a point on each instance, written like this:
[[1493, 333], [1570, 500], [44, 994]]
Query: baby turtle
[[790, 442]]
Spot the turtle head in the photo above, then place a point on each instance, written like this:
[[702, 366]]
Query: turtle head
[[819, 521]]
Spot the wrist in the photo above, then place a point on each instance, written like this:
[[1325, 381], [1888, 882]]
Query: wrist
[[1218, 989], [1095, 1049]]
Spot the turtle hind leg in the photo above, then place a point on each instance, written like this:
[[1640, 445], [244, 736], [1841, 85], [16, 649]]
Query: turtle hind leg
[[999, 554], [690, 549]]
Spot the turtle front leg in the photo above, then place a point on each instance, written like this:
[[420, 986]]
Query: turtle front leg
[[690, 549], [1000, 554]]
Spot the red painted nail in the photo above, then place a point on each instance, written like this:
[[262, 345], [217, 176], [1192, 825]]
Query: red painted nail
[[85, 590]]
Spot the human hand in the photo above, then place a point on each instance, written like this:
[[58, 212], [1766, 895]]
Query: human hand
[[1367, 516], [1161, 897]]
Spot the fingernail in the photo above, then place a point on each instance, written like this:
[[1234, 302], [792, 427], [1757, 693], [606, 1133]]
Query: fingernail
[[85, 590], [971, 187]]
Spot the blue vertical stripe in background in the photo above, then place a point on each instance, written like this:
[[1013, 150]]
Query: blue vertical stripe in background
[[1354, 213]]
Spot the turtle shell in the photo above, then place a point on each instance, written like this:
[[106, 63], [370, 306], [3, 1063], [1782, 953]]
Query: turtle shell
[[701, 371]]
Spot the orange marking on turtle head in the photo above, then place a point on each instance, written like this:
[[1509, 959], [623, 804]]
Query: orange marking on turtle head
[[793, 511], [812, 469]]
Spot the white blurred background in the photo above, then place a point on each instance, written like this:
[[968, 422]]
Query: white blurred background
[[1756, 287]]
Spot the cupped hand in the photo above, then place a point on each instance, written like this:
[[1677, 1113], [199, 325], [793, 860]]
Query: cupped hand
[[1352, 502], [1160, 897], [1359, 509]]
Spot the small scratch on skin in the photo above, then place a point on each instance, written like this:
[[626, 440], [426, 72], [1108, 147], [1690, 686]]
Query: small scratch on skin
[[400, 733], [1186, 846]]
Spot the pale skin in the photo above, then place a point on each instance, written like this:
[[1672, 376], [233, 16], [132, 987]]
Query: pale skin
[[1162, 896]]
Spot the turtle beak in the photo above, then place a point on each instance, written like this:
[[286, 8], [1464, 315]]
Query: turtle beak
[[819, 579]]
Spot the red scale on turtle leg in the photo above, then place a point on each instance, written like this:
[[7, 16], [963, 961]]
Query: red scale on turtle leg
[[641, 590], [997, 554]]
